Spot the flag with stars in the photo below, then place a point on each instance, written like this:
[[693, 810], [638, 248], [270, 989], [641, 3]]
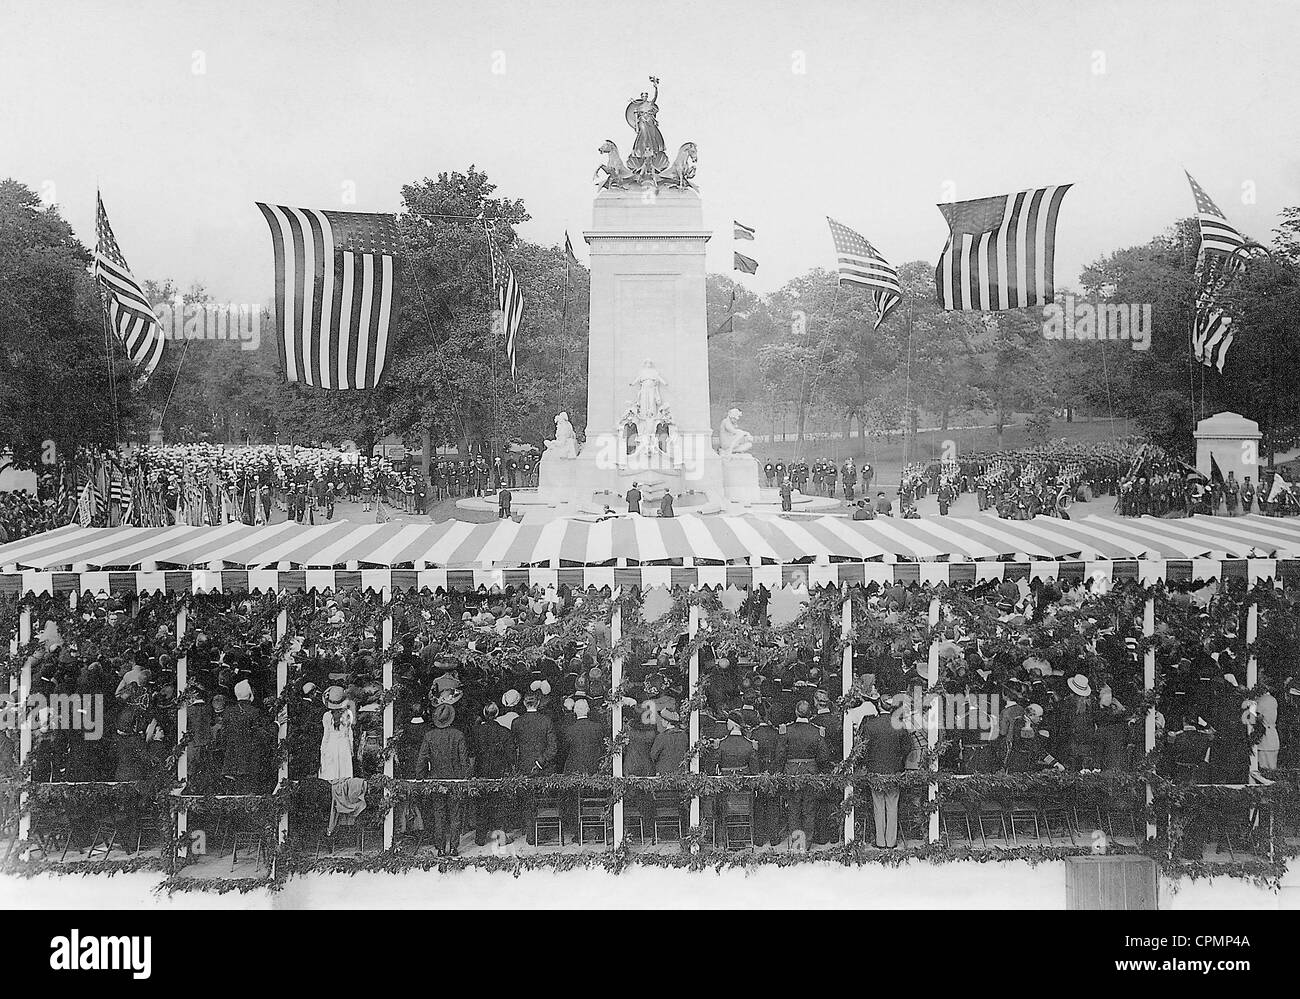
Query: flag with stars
[[334, 286], [861, 263], [1001, 251], [1222, 255], [509, 299], [129, 313]]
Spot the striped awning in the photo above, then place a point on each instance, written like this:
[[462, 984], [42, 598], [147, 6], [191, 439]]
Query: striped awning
[[706, 540]]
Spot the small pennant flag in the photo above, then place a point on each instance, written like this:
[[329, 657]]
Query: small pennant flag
[[747, 265], [743, 231], [1216, 473], [1001, 251], [568, 249]]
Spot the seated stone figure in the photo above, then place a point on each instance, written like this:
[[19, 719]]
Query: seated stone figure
[[732, 437], [565, 444]]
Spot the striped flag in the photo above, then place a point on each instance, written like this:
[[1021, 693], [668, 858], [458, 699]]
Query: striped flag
[[742, 231], [129, 313], [1222, 255], [729, 322], [1000, 252], [568, 250], [509, 297], [861, 263], [744, 264], [334, 283]]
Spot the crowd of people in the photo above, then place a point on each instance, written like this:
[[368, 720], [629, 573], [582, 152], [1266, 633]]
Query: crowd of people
[[23, 514], [1031, 678]]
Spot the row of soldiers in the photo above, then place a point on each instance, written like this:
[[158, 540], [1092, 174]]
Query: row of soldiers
[[824, 475]]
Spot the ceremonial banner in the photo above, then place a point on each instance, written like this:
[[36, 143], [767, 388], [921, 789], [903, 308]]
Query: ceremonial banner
[[1000, 252], [129, 313], [861, 263], [334, 281]]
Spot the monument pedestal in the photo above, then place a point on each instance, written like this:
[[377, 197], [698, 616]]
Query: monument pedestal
[[1233, 442], [740, 478]]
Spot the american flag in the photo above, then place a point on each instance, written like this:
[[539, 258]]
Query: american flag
[[1222, 255], [509, 298], [129, 312], [1000, 252], [861, 263], [334, 285]]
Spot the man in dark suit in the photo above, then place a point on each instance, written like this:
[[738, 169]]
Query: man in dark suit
[[767, 807], [584, 749], [887, 744], [535, 748], [494, 755], [246, 739], [503, 504], [787, 496], [803, 750], [444, 755], [633, 498], [666, 505], [829, 721]]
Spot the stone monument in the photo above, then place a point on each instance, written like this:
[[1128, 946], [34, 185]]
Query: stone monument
[[1233, 441], [648, 362]]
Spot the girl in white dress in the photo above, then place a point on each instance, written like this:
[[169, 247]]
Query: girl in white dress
[[336, 739]]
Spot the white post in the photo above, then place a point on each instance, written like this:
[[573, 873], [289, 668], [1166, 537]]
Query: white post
[[25, 732], [282, 726], [1252, 667], [182, 728], [616, 715], [693, 627], [846, 684], [932, 721], [386, 638], [1149, 684]]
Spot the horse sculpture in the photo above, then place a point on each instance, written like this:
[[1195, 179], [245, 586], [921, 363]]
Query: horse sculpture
[[681, 171], [616, 172]]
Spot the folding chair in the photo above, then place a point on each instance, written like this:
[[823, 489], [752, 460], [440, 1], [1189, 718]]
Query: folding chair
[[1024, 813], [737, 809], [1056, 818], [249, 842], [988, 813], [667, 812], [955, 813], [549, 819], [593, 815]]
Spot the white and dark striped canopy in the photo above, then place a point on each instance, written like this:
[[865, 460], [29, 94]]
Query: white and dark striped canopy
[[707, 540]]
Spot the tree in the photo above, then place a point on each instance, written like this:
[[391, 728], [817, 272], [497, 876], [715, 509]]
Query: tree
[[55, 382]]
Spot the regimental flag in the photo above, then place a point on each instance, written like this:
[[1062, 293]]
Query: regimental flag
[[1278, 488], [1000, 252], [729, 322], [742, 231], [1222, 255], [747, 265], [861, 263], [129, 313], [509, 297], [568, 250], [335, 274], [1216, 473]]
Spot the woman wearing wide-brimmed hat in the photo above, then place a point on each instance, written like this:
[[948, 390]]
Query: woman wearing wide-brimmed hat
[[336, 747]]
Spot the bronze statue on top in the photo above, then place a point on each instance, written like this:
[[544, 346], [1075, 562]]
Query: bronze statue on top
[[648, 162]]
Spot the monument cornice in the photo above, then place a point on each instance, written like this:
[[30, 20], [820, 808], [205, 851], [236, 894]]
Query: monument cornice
[[652, 234]]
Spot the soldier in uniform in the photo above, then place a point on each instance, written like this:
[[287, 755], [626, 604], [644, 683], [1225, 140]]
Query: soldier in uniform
[[803, 750], [780, 472], [849, 473], [767, 807], [1231, 494], [769, 470], [1247, 495], [831, 723]]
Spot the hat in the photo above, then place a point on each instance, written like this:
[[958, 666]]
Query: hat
[[580, 709], [443, 715], [510, 699], [449, 696], [668, 714], [490, 710], [244, 690], [335, 697], [1079, 684]]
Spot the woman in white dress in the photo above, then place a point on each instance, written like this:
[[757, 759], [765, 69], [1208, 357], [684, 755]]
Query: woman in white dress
[[336, 740]]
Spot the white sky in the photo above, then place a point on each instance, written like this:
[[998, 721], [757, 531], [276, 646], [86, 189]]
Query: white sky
[[898, 99]]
